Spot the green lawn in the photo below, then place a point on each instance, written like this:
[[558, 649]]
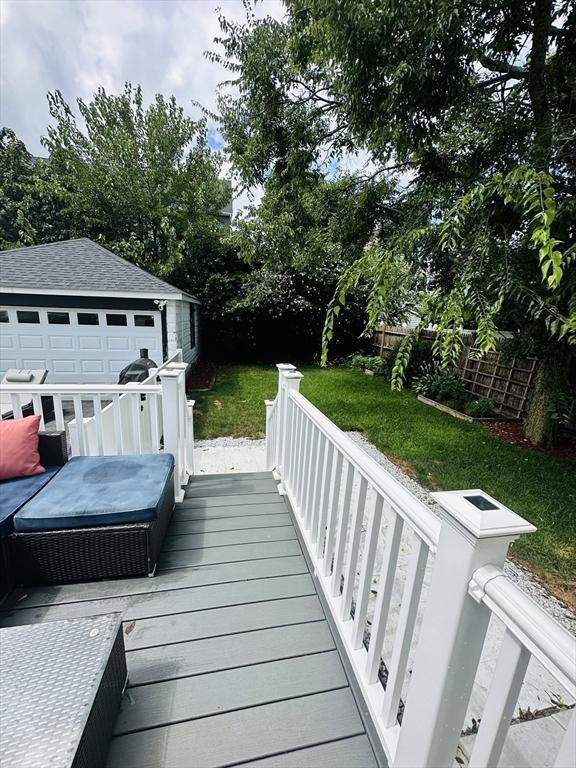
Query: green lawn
[[441, 452]]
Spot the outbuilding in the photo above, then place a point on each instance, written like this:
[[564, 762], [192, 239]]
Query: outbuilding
[[83, 313]]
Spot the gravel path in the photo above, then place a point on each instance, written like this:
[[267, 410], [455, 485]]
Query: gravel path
[[516, 573]]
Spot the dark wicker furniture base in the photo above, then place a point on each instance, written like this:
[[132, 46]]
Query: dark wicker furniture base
[[82, 554], [61, 684]]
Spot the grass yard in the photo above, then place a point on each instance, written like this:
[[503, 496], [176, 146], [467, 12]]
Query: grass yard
[[441, 452]]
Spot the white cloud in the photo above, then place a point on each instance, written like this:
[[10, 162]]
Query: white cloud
[[77, 45]]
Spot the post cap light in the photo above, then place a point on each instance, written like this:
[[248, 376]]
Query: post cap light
[[482, 515]]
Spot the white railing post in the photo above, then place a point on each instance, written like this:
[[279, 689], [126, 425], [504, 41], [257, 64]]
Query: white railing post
[[270, 435], [190, 465], [292, 381], [281, 425], [185, 437], [476, 531], [171, 423]]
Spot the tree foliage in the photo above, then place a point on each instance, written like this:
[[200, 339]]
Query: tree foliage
[[470, 106]]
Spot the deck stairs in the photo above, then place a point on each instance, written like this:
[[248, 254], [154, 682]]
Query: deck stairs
[[231, 657]]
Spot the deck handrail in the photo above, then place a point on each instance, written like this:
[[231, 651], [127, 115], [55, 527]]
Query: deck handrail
[[416, 513], [342, 499], [538, 631]]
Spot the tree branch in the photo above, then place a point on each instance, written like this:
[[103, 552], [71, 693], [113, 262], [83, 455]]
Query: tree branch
[[494, 65]]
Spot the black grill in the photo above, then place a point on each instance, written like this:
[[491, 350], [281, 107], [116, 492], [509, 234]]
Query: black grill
[[138, 370]]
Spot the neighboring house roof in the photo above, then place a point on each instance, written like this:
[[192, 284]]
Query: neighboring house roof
[[78, 267]]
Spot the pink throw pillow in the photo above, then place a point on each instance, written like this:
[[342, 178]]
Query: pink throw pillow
[[19, 455]]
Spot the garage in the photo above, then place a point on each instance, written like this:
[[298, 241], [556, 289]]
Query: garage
[[83, 313]]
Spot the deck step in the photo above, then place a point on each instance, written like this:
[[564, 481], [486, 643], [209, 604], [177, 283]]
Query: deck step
[[199, 657], [221, 740], [189, 698], [223, 486], [231, 500], [186, 511], [232, 476]]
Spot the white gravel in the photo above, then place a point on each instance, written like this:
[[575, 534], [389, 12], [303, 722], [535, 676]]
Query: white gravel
[[515, 572]]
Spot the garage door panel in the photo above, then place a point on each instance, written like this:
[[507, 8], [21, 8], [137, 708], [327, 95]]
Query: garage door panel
[[61, 342], [118, 344], [31, 342], [89, 343], [6, 342], [64, 366], [92, 366], [35, 363]]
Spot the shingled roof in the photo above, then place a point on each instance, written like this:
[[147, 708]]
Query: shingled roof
[[76, 265]]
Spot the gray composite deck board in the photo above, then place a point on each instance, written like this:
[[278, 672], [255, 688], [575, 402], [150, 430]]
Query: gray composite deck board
[[205, 489], [189, 600], [168, 580], [231, 659], [228, 538], [243, 735], [194, 558], [230, 500], [239, 523], [173, 701], [198, 657], [354, 752], [226, 511]]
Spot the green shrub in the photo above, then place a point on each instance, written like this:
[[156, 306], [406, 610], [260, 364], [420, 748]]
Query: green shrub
[[359, 362], [481, 409], [380, 366], [442, 386]]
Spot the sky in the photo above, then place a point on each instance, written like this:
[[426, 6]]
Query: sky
[[78, 45]]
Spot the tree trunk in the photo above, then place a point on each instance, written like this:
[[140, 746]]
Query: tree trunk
[[538, 424]]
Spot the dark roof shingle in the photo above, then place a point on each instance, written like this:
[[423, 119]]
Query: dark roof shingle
[[75, 265]]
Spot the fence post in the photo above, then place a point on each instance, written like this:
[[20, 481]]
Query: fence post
[[476, 531], [171, 423], [281, 435]]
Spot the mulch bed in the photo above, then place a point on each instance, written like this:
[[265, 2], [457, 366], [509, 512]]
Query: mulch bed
[[511, 432], [201, 377]]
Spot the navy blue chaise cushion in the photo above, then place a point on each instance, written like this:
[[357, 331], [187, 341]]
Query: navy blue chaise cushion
[[16, 492], [91, 491]]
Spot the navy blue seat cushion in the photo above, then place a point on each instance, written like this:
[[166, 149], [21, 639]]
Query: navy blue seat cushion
[[91, 491], [16, 492]]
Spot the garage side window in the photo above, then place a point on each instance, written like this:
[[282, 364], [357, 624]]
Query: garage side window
[[144, 321], [88, 318], [58, 318], [24, 316], [116, 320], [192, 326], [4, 316]]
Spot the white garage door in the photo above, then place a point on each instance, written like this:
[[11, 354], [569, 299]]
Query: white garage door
[[78, 346]]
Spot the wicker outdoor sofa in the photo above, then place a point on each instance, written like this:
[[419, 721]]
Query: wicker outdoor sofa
[[96, 517]]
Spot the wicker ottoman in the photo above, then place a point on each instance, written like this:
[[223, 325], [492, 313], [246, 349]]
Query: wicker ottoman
[[61, 684], [100, 517]]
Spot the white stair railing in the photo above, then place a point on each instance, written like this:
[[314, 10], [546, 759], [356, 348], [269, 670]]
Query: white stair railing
[[137, 418], [430, 647]]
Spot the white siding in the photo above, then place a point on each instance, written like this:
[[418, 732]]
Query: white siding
[[178, 329]]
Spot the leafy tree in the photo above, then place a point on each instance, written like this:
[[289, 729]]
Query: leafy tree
[[474, 103]]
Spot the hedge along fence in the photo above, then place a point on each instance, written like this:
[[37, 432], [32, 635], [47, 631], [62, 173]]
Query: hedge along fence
[[507, 382]]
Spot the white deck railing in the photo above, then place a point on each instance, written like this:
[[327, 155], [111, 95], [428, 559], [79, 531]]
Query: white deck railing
[[430, 647], [137, 418]]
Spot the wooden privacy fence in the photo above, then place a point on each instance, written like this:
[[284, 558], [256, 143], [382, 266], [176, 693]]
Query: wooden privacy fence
[[507, 382]]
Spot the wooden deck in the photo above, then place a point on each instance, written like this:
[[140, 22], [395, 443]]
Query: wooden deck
[[231, 659]]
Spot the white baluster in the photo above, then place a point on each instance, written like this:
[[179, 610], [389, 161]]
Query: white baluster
[[367, 572], [320, 531], [333, 506], [98, 424], [79, 417], [353, 549], [37, 405], [311, 476], [404, 630], [16, 406], [501, 702], [59, 413], [154, 423], [384, 595], [118, 428], [342, 532], [566, 757]]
